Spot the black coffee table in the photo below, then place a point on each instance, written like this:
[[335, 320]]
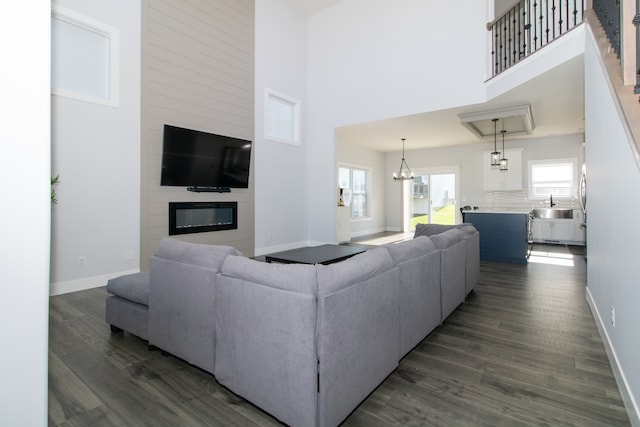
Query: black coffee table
[[323, 254]]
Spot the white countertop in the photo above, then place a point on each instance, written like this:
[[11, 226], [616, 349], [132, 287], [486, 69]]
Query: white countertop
[[499, 211]]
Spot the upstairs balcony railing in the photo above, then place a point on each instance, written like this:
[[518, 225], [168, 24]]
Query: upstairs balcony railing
[[530, 25]]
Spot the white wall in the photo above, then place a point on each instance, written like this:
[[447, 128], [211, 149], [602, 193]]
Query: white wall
[[281, 169], [400, 57], [96, 151], [612, 232], [25, 217]]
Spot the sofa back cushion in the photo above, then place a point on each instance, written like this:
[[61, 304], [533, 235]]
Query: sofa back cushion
[[210, 256], [358, 330], [265, 319], [288, 277], [452, 269], [472, 255], [420, 310], [431, 229]]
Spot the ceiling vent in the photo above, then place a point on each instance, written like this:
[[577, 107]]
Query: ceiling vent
[[518, 120]]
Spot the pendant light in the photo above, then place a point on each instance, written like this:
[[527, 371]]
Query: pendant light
[[405, 172], [504, 162], [495, 156]]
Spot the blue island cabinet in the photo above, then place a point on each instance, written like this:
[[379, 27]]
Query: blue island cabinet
[[503, 235]]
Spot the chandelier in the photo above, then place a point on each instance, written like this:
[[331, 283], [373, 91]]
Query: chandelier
[[405, 172], [504, 163], [495, 156]]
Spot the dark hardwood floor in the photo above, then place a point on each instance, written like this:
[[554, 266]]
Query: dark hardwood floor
[[522, 350]]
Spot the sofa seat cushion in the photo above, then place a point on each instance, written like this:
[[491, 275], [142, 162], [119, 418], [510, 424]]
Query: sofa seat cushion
[[132, 287]]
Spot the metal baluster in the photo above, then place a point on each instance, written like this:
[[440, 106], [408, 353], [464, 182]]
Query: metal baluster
[[567, 12], [496, 58], [512, 42], [546, 5], [505, 43], [553, 17], [535, 26], [519, 16], [527, 27], [575, 13], [541, 18]]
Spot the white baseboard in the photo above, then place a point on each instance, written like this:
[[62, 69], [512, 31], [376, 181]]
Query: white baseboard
[[285, 247], [367, 232], [60, 288], [625, 392]]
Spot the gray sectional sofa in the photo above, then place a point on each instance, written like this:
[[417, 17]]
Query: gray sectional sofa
[[306, 343]]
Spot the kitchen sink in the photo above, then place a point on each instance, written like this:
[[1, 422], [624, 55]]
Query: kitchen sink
[[553, 213]]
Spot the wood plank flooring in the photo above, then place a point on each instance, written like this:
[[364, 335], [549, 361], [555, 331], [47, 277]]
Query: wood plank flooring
[[522, 350]]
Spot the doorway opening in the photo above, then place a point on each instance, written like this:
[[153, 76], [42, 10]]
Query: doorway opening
[[431, 198]]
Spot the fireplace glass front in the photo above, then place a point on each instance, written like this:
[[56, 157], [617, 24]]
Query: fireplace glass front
[[199, 217]]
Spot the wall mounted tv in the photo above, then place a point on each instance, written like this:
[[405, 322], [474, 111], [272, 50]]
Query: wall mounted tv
[[204, 161]]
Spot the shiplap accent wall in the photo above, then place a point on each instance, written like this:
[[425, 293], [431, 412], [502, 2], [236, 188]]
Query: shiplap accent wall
[[198, 73]]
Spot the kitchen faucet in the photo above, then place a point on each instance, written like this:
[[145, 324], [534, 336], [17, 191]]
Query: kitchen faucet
[[551, 204]]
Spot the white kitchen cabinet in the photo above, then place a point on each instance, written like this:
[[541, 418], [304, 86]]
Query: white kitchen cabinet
[[559, 230], [511, 179], [553, 230], [343, 222]]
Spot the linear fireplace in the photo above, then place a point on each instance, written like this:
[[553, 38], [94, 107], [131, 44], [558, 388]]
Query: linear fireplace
[[198, 217]]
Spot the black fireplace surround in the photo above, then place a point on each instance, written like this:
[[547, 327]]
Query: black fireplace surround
[[199, 217]]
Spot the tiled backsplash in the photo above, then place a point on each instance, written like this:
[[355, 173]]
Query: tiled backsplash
[[519, 200]]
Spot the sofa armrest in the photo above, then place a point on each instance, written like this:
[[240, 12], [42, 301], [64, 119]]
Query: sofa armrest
[[181, 311]]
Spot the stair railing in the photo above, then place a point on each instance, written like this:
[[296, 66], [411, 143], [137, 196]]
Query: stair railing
[[530, 25]]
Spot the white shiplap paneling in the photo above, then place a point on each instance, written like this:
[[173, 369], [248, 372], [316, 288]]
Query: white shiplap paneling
[[197, 72]]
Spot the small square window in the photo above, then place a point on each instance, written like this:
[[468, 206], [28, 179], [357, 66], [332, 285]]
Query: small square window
[[282, 118], [84, 58]]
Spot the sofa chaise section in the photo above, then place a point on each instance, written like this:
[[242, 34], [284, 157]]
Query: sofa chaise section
[[128, 307], [182, 298]]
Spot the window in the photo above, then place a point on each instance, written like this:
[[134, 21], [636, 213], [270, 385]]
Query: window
[[282, 118], [355, 184], [84, 58], [552, 177]]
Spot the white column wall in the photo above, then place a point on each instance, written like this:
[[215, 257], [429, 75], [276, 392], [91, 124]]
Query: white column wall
[[400, 57], [96, 152], [280, 169], [613, 233], [25, 217]]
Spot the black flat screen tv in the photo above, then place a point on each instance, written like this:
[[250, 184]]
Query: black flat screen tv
[[191, 158]]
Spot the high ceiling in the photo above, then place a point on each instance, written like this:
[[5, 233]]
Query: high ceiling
[[556, 98], [557, 103]]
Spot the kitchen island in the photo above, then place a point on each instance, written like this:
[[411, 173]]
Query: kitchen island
[[504, 235]]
